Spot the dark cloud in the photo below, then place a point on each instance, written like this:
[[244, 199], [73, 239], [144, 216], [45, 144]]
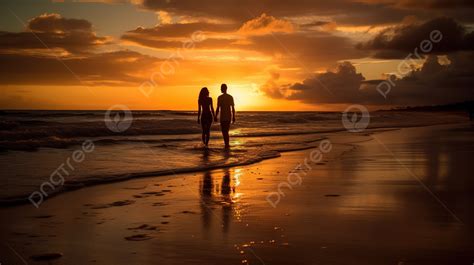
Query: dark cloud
[[246, 9], [271, 88], [50, 31], [265, 34], [114, 68], [73, 43], [433, 83], [435, 4], [265, 24], [180, 30], [348, 12], [340, 86], [158, 43], [293, 49], [179, 35], [307, 51], [229, 9], [315, 24], [60, 51], [441, 35], [56, 23]]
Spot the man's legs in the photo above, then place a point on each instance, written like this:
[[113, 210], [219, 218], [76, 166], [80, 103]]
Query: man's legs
[[225, 126]]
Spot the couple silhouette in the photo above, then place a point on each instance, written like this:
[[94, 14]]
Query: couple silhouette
[[225, 106]]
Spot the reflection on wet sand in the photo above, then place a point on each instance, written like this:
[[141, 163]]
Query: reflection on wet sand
[[206, 188], [216, 196], [362, 207]]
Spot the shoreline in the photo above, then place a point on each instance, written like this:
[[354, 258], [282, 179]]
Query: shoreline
[[73, 185], [356, 200]]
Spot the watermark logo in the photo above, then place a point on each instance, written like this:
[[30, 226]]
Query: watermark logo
[[355, 118], [294, 178], [57, 177], [426, 46], [118, 118], [171, 65]]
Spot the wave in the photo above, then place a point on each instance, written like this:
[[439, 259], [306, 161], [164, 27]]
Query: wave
[[40, 129], [32, 138], [240, 159], [61, 143], [183, 155]]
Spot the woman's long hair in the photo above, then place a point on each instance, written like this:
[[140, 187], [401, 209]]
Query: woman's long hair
[[203, 95]]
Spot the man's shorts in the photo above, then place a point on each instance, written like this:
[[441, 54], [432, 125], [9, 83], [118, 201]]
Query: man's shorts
[[225, 125]]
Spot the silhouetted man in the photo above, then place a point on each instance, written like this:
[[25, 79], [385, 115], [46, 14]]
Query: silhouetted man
[[225, 103]]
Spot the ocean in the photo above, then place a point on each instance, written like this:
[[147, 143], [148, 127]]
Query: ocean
[[64, 150]]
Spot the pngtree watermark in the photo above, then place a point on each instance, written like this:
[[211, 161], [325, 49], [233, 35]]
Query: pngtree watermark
[[118, 118], [171, 64], [426, 46], [56, 179], [294, 178], [356, 118]]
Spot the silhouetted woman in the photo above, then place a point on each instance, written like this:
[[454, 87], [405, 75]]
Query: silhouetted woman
[[205, 114]]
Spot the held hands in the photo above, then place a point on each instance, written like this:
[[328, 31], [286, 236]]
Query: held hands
[[215, 119]]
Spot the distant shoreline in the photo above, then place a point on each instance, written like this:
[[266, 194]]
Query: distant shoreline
[[452, 107]]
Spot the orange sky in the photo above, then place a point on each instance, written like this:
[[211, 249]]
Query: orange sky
[[153, 56]]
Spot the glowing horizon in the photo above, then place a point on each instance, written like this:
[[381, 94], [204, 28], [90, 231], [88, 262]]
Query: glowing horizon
[[150, 56]]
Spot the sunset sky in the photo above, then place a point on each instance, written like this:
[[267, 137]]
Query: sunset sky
[[273, 54]]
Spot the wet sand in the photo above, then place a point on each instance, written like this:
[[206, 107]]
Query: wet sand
[[392, 197]]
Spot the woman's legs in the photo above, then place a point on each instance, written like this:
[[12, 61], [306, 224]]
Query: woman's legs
[[206, 132], [207, 138], [204, 136]]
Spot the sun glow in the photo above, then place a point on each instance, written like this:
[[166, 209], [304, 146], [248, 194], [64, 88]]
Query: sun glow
[[245, 95]]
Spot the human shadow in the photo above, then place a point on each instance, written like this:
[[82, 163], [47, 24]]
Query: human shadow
[[215, 196]]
